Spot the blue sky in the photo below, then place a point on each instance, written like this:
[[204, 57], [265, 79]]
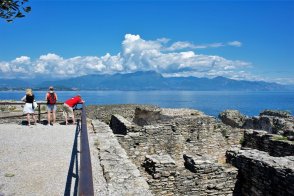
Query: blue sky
[[252, 40]]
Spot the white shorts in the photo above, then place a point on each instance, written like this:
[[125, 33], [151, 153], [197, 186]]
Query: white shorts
[[28, 109]]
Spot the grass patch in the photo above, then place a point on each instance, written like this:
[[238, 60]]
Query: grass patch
[[224, 133], [9, 175], [96, 143], [242, 141], [279, 138]]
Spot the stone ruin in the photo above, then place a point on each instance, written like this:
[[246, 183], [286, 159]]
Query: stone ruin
[[179, 151], [184, 152], [265, 161]]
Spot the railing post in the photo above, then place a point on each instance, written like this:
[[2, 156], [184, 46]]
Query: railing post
[[39, 112], [85, 177]]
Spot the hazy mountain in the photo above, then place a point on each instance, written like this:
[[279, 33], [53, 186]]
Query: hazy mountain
[[149, 80]]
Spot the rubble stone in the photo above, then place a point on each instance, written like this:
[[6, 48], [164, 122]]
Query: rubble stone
[[233, 118]]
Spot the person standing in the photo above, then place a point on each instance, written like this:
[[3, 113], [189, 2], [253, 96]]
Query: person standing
[[29, 106], [51, 98], [68, 107]]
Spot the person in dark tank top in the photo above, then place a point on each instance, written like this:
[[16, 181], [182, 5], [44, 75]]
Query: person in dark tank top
[[29, 105]]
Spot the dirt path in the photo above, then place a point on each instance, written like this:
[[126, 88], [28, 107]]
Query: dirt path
[[34, 160]]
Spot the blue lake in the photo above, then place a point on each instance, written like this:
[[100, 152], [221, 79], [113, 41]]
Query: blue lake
[[210, 102]]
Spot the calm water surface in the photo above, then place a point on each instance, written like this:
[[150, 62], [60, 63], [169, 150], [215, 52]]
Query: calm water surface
[[210, 102]]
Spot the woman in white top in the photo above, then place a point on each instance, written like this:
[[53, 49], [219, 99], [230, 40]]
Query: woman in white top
[[29, 107]]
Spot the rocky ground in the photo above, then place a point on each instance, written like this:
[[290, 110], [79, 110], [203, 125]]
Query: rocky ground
[[272, 121]]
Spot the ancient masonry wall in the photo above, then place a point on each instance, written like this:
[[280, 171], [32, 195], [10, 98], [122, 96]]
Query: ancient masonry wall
[[158, 152], [206, 136], [275, 145], [122, 176], [198, 177], [266, 161], [261, 174]]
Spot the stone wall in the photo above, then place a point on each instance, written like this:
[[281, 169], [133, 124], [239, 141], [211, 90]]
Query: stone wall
[[275, 145], [147, 140], [182, 152], [202, 176], [146, 116], [197, 176], [262, 174], [205, 135], [192, 134], [162, 172], [122, 176], [104, 112], [173, 134]]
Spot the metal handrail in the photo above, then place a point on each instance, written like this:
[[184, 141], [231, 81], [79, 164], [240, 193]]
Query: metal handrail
[[85, 177], [22, 103]]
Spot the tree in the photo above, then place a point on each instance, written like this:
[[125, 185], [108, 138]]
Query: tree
[[11, 9]]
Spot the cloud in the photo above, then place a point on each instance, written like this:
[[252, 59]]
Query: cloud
[[235, 43], [171, 59], [22, 60], [188, 45]]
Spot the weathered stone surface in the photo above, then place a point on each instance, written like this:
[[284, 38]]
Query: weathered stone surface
[[122, 176], [204, 140], [261, 174], [233, 118], [276, 113], [104, 112], [146, 115], [275, 145], [277, 122], [120, 125], [175, 132], [163, 171]]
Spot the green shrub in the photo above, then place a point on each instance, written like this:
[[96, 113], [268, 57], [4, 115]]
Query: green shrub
[[242, 141], [279, 138], [224, 132]]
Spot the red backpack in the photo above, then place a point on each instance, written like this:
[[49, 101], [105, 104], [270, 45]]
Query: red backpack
[[51, 98]]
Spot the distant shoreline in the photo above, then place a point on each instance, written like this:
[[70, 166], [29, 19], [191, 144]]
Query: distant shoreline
[[136, 90], [210, 102]]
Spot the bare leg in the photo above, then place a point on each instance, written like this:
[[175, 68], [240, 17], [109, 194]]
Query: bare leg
[[48, 117], [54, 116], [66, 119], [34, 119], [28, 119], [73, 118]]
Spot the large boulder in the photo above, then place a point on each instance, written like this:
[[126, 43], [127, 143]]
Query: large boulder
[[272, 121], [147, 116], [252, 123], [233, 118], [276, 113]]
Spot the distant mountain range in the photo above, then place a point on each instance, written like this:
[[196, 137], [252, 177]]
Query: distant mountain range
[[148, 80]]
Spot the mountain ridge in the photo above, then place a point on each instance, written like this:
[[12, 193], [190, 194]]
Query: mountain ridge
[[145, 80]]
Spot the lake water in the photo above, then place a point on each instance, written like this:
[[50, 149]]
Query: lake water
[[210, 102]]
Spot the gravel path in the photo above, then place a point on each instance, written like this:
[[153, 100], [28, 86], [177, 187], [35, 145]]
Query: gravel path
[[34, 160]]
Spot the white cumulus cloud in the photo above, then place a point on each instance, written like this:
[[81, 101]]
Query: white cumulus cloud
[[235, 43], [22, 60], [171, 59]]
